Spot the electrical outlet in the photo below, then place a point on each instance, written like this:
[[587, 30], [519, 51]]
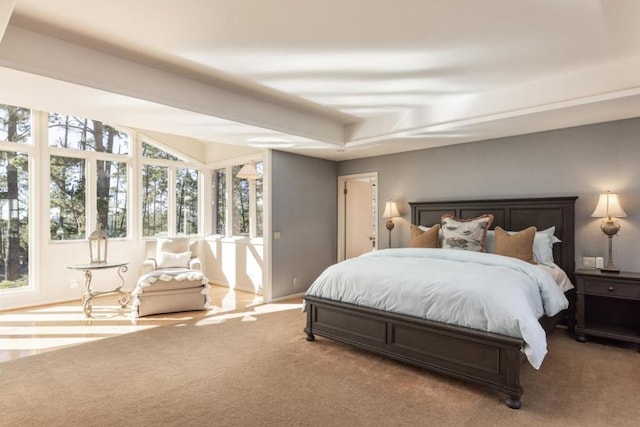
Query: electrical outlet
[[589, 262], [294, 282], [599, 262], [73, 284]]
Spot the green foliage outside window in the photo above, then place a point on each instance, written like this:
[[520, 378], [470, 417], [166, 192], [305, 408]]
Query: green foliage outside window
[[15, 124], [240, 203], [219, 186], [67, 198], [187, 201], [14, 219], [151, 152], [155, 198]]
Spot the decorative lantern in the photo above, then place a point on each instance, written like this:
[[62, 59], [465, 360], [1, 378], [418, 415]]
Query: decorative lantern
[[98, 246]]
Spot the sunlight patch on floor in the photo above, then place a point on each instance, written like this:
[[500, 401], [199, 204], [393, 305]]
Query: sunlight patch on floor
[[246, 316], [35, 330]]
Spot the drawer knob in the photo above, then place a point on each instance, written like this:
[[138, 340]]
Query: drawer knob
[[610, 288]]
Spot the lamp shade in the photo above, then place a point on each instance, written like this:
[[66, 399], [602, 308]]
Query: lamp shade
[[390, 210], [609, 206], [248, 171]]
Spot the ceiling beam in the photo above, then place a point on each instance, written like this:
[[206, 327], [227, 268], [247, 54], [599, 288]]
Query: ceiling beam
[[43, 55]]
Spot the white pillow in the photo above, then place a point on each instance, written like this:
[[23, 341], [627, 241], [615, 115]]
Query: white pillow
[[176, 245], [170, 260], [543, 247], [542, 244]]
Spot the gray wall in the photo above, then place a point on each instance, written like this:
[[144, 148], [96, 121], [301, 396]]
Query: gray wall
[[304, 212], [582, 161]]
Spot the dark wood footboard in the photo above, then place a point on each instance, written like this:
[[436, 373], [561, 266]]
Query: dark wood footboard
[[485, 358]]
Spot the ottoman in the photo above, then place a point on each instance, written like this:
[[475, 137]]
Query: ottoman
[[170, 291]]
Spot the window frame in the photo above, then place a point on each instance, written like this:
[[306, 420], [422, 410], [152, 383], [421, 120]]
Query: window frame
[[29, 148], [172, 176], [228, 167], [91, 172]]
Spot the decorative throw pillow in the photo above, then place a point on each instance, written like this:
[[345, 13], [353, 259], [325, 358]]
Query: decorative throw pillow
[[467, 234], [175, 245], [171, 260], [440, 237], [517, 245], [424, 239], [542, 244]]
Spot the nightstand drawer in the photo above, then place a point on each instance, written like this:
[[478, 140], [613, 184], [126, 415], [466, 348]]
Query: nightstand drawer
[[611, 289]]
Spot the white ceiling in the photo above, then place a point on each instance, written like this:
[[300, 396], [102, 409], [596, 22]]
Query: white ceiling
[[331, 79]]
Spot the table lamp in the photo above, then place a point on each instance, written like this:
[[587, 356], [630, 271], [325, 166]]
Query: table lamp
[[390, 212], [609, 207]]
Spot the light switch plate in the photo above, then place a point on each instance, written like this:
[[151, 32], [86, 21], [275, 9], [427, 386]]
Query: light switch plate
[[588, 262]]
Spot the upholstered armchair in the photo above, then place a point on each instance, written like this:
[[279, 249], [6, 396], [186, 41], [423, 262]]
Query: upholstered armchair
[[171, 253], [172, 279]]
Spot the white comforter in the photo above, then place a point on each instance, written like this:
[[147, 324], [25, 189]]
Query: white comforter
[[476, 290]]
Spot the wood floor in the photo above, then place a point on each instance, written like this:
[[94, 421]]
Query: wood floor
[[29, 331]]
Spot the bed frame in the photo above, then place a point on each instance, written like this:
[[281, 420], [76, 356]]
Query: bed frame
[[489, 359]]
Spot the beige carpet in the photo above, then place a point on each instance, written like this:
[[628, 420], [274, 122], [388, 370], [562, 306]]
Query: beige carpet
[[258, 370]]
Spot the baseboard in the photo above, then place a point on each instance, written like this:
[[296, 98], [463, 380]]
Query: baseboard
[[298, 295]]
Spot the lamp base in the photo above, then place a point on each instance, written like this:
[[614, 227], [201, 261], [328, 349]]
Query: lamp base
[[610, 269]]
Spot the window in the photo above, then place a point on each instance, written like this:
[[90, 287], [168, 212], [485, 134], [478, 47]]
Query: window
[[169, 194], [15, 124], [155, 195], [187, 201], [112, 197], [82, 149], [83, 134], [151, 152], [219, 186], [245, 205], [14, 219], [67, 198], [240, 203], [15, 128]]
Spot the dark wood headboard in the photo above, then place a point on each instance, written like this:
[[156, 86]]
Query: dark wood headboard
[[513, 214]]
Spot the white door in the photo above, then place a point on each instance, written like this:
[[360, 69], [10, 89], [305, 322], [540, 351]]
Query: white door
[[358, 208]]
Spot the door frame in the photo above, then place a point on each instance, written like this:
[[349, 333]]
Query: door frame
[[342, 209]]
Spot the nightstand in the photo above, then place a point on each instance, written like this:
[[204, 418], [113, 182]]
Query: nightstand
[[608, 305]]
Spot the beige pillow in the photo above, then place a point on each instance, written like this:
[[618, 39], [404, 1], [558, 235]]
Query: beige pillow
[[424, 239], [518, 245], [467, 234], [171, 260]]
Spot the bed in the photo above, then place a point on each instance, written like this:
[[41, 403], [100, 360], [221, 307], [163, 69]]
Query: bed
[[490, 359]]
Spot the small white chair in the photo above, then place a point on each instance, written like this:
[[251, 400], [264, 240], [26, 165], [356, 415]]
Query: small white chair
[[172, 279]]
